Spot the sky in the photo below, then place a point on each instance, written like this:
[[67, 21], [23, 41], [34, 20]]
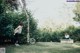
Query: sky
[[52, 13]]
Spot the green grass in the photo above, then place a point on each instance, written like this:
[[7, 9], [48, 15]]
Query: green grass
[[45, 47]]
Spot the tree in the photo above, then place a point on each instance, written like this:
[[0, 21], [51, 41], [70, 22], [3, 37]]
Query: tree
[[77, 12], [77, 18], [10, 19]]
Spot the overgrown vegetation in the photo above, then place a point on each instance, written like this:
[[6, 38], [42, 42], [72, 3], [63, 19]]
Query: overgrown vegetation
[[50, 36], [9, 20], [10, 17]]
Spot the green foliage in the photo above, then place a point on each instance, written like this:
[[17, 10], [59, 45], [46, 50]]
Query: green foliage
[[77, 12], [47, 36], [9, 20], [76, 33]]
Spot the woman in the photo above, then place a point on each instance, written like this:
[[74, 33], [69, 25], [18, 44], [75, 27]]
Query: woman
[[17, 33]]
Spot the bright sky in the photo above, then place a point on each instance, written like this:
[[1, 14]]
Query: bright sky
[[52, 13]]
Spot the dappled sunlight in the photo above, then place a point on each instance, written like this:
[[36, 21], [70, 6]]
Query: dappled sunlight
[[45, 52], [45, 47], [58, 46], [51, 29], [76, 46]]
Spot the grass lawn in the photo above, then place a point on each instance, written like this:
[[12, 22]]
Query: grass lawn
[[44, 47]]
